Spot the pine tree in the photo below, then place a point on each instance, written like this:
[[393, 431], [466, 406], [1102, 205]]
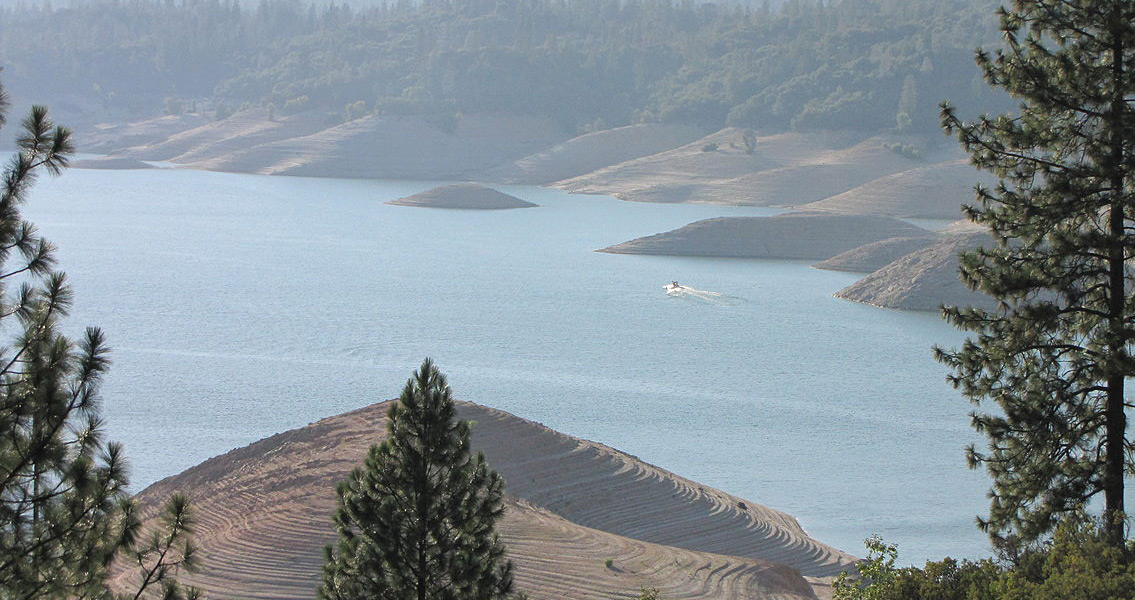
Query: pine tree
[[416, 520], [65, 514], [1056, 354]]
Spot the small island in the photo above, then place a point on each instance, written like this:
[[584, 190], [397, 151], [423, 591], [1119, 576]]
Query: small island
[[463, 196]]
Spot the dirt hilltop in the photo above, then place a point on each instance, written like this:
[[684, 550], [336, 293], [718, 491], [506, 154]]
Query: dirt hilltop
[[812, 236], [923, 280], [468, 196], [573, 505]]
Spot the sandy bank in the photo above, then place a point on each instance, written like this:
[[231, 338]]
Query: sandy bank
[[784, 169], [875, 256], [264, 513], [374, 147], [923, 280], [790, 236], [111, 137], [242, 133], [934, 191], [463, 196], [593, 151]]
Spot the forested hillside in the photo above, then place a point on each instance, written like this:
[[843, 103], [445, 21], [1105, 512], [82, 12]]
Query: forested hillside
[[860, 64]]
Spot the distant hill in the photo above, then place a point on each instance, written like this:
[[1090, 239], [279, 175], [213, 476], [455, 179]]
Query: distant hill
[[406, 147], [573, 507], [935, 191], [597, 150], [869, 65], [788, 169]]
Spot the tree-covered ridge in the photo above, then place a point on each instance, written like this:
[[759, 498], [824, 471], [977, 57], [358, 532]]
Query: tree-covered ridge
[[867, 64]]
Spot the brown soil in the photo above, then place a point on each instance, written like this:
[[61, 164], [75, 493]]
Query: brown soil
[[597, 150], [264, 516], [872, 257], [785, 169], [371, 147], [934, 191], [923, 280], [790, 236], [463, 196]]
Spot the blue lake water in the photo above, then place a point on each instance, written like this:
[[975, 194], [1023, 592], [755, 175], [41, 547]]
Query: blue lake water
[[240, 306]]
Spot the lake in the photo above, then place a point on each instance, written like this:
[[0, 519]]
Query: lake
[[239, 306]]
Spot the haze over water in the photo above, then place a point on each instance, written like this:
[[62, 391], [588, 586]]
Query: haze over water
[[240, 306]]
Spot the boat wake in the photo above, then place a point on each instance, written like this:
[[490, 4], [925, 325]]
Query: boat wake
[[686, 292]]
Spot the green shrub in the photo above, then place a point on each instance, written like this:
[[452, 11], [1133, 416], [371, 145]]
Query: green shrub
[[1076, 564]]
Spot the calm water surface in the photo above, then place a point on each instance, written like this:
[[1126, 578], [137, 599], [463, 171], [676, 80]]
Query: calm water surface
[[241, 306]]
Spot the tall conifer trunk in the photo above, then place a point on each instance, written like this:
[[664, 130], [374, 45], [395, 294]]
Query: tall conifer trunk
[[1115, 417], [1055, 355]]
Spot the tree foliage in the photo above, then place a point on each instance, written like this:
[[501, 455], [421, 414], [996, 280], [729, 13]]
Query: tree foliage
[[1056, 356], [1078, 562], [416, 520], [65, 514], [859, 64]]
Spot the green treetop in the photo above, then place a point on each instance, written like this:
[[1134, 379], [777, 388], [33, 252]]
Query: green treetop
[[65, 514], [416, 520], [1056, 355]]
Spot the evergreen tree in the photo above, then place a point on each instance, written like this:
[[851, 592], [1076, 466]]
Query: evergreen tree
[[416, 520], [1056, 354], [65, 514]]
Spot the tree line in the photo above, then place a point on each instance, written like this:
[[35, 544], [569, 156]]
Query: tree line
[[861, 64]]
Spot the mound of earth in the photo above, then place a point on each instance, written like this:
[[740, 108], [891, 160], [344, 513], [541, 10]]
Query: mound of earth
[[932, 192], [784, 169], [596, 150], [264, 515], [788, 236], [923, 280], [111, 163], [875, 256], [463, 195]]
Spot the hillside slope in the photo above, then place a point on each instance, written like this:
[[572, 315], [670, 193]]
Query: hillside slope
[[813, 236], [934, 191], [597, 150], [264, 513], [784, 169], [923, 280], [370, 147]]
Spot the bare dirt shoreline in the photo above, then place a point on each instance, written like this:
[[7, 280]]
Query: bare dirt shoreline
[[583, 520], [846, 175]]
